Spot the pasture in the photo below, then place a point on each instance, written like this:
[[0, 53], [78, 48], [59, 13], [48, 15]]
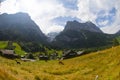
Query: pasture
[[103, 64]]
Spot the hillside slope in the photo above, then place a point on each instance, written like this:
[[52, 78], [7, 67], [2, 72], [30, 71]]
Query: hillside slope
[[105, 64]]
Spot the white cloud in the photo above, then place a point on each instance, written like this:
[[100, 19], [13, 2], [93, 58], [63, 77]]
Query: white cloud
[[9, 7], [85, 13], [55, 28], [111, 29], [83, 10], [103, 23]]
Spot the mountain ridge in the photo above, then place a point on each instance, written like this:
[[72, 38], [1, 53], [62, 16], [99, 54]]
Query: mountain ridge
[[81, 35]]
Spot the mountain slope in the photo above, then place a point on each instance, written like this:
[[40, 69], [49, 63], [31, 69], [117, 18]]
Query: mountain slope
[[104, 64], [81, 35], [20, 27]]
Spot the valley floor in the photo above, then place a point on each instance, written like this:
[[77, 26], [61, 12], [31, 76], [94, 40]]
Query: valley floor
[[105, 65]]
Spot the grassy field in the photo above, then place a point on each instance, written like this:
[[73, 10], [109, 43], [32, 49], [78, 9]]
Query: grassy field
[[105, 64]]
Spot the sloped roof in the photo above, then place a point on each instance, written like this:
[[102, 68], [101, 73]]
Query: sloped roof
[[80, 52], [10, 52]]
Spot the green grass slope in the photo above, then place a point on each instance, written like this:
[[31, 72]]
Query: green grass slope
[[3, 44], [105, 64], [18, 50]]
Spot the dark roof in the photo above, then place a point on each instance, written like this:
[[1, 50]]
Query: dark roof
[[68, 51], [9, 52], [80, 52]]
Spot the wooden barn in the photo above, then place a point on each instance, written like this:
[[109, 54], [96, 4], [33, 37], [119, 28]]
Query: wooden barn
[[69, 54], [8, 54], [43, 57]]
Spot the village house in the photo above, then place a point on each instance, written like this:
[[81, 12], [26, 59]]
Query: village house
[[69, 54], [8, 54], [43, 57], [80, 53], [53, 56]]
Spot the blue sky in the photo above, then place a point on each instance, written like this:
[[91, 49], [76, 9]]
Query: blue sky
[[52, 15]]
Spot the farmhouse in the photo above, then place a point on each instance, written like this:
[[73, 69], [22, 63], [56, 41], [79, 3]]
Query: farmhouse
[[80, 53], [53, 56], [43, 57], [8, 54], [69, 54]]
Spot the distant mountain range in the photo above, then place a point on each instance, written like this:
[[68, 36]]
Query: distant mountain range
[[20, 27]]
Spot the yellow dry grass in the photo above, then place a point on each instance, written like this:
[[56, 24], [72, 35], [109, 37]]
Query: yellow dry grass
[[105, 64]]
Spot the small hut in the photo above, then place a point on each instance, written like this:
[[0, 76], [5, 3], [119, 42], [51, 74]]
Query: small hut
[[80, 53], [69, 54], [8, 54], [43, 57]]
